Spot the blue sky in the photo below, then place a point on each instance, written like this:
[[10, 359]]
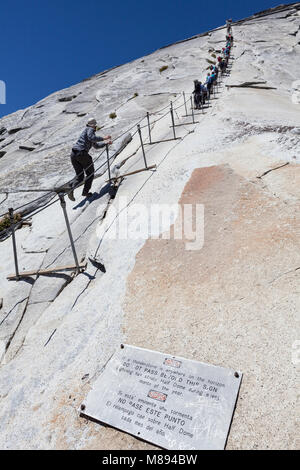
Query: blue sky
[[48, 45]]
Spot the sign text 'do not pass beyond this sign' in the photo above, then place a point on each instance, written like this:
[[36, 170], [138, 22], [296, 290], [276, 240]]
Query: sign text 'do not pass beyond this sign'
[[172, 402]]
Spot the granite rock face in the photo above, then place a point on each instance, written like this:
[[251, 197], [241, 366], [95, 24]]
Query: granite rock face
[[234, 301]]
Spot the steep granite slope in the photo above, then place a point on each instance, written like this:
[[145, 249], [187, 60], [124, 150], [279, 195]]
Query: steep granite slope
[[232, 303]]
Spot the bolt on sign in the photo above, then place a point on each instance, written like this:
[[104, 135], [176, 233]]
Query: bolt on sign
[[169, 401]]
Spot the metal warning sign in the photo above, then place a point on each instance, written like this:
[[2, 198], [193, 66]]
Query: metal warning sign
[[169, 401]]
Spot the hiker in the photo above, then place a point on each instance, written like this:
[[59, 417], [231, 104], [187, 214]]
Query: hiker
[[197, 94], [220, 64], [81, 160], [223, 65], [204, 93], [208, 83], [228, 25], [215, 70], [213, 77], [226, 60]]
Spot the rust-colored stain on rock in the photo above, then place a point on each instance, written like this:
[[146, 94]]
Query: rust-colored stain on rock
[[243, 229]]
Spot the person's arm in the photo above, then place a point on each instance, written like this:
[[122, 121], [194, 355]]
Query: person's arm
[[92, 136], [95, 139], [106, 140], [98, 146]]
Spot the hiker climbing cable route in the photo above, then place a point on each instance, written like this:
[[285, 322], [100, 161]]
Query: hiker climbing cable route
[[81, 160]]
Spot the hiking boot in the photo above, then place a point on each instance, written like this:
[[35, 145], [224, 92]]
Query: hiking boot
[[71, 195], [87, 194]]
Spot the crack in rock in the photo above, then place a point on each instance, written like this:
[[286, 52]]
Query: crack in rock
[[12, 309], [272, 169], [50, 337], [18, 325], [25, 147], [252, 85], [283, 274], [64, 99], [15, 130]]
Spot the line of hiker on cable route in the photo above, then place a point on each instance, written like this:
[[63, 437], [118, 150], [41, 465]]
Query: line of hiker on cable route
[[81, 160], [203, 91]]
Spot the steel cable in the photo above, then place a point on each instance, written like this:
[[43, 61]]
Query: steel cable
[[92, 164]]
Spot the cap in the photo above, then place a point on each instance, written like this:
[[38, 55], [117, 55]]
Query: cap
[[92, 122]]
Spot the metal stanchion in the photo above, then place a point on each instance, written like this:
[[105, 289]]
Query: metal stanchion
[[108, 164], [63, 205], [149, 129], [12, 222], [172, 118], [186, 113], [192, 108], [142, 145]]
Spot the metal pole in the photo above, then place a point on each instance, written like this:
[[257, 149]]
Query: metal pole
[[186, 113], [142, 145], [63, 205], [108, 164], [149, 129], [172, 117], [192, 108], [12, 222]]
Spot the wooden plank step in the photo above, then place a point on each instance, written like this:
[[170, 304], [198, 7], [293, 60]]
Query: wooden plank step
[[72, 267], [132, 173]]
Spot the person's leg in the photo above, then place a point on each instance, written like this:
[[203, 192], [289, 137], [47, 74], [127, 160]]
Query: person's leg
[[195, 100], [87, 162], [79, 169], [199, 100], [208, 89], [79, 174]]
